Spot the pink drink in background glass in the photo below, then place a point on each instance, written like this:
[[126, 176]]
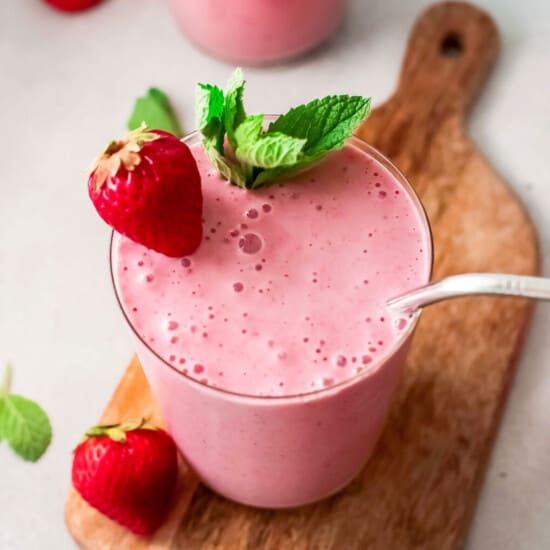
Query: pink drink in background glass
[[270, 349], [258, 31]]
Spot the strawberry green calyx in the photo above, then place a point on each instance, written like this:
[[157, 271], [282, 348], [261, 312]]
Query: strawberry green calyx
[[116, 432], [123, 152]]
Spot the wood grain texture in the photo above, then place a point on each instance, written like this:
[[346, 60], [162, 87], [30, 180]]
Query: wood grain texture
[[419, 489]]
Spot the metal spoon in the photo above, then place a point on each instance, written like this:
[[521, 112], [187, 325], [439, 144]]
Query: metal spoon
[[472, 283]]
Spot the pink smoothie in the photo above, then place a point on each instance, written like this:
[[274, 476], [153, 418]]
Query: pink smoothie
[[283, 352], [258, 31]]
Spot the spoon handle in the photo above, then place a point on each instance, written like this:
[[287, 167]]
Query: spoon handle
[[473, 283]]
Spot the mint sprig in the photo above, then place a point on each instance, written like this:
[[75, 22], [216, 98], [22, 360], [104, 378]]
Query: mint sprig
[[155, 110], [23, 423], [249, 155]]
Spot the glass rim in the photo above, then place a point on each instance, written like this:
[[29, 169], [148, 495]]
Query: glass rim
[[193, 138]]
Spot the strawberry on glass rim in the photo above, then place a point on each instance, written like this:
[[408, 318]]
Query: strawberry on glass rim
[[147, 187]]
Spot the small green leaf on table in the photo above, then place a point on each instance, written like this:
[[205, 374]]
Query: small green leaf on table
[[155, 110], [23, 423]]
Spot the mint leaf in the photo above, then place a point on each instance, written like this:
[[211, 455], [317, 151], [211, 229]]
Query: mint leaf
[[270, 151], [210, 105], [234, 113], [23, 423], [25, 426], [155, 110], [228, 168], [325, 123], [256, 149], [249, 131], [210, 114], [210, 108]]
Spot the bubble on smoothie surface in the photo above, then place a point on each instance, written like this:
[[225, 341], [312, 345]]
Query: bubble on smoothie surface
[[250, 243], [401, 323], [341, 361]]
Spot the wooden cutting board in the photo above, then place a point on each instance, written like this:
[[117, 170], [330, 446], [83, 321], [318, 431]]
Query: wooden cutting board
[[419, 489]]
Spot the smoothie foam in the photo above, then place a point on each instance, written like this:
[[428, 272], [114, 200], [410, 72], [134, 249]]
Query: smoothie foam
[[286, 294]]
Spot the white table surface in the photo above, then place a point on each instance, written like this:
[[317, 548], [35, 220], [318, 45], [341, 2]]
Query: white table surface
[[67, 86]]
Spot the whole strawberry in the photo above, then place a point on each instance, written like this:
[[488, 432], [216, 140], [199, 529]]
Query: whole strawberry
[[128, 473], [147, 186], [72, 5]]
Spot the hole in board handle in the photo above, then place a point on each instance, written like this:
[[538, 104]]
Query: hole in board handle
[[451, 45]]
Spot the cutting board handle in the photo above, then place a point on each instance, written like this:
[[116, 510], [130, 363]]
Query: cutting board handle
[[451, 49]]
